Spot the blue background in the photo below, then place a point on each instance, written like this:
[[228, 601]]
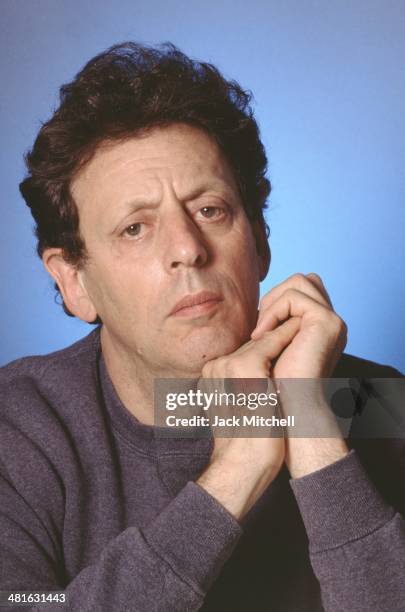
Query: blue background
[[329, 84]]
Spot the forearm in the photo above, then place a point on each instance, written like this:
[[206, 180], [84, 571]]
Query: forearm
[[240, 470], [312, 454], [235, 490], [169, 565], [356, 541]]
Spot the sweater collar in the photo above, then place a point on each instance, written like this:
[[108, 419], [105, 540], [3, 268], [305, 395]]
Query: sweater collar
[[148, 439]]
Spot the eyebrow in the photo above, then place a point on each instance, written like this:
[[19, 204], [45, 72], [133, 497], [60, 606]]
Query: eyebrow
[[143, 202], [140, 202], [219, 186], [137, 203], [127, 208]]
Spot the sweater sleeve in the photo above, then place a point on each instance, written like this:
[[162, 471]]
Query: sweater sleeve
[[356, 541], [170, 565]]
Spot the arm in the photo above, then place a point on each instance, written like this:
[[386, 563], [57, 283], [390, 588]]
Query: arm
[[356, 541], [167, 566], [170, 564]]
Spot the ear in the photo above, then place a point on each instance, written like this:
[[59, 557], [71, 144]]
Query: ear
[[70, 283], [262, 246]]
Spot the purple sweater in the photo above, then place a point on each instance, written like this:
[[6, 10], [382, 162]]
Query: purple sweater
[[93, 503]]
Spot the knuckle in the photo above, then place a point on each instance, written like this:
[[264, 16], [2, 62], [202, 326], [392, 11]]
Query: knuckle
[[299, 278], [265, 300], [339, 333], [337, 323], [343, 327], [222, 367], [344, 335], [332, 319], [292, 293], [315, 277]]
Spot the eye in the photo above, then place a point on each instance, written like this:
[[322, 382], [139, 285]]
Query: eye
[[212, 212], [133, 230]]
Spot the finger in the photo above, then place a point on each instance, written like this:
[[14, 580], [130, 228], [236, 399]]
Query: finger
[[255, 361], [318, 282], [311, 285], [272, 343], [292, 303]]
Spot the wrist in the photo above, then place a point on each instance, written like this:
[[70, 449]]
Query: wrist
[[307, 455], [235, 485]]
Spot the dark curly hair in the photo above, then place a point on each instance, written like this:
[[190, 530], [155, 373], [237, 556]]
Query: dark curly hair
[[125, 91]]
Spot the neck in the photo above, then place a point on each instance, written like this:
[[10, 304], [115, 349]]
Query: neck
[[133, 379]]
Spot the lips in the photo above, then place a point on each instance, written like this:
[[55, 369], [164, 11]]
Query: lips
[[196, 303]]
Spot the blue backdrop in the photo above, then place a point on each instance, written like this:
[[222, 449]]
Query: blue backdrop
[[329, 85]]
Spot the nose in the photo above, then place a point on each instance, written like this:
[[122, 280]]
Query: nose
[[183, 243]]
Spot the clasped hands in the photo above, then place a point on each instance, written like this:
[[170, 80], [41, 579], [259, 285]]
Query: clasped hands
[[297, 335]]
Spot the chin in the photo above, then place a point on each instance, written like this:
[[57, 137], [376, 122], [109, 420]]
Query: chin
[[206, 347]]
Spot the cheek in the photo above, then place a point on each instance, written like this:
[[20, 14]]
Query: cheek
[[243, 277], [245, 259], [108, 288], [129, 294]]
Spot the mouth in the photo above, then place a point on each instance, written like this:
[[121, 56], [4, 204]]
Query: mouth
[[196, 304]]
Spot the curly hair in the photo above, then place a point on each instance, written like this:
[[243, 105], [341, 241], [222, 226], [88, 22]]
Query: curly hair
[[126, 91]]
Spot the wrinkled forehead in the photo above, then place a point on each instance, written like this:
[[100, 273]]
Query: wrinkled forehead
[[184, 156]]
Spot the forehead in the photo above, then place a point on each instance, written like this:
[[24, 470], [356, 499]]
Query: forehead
[[186, 156]]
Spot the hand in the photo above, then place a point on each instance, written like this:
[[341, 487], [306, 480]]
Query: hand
[[241, 469], [322, 334], [313, 353]]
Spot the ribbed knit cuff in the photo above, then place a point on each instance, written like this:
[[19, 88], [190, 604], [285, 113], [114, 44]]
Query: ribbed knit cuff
[[195, 535], [339, 504]]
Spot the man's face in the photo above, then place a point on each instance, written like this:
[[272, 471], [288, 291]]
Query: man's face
[[163, 222]]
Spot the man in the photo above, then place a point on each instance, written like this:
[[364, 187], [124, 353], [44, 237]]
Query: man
[[148, 188]]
